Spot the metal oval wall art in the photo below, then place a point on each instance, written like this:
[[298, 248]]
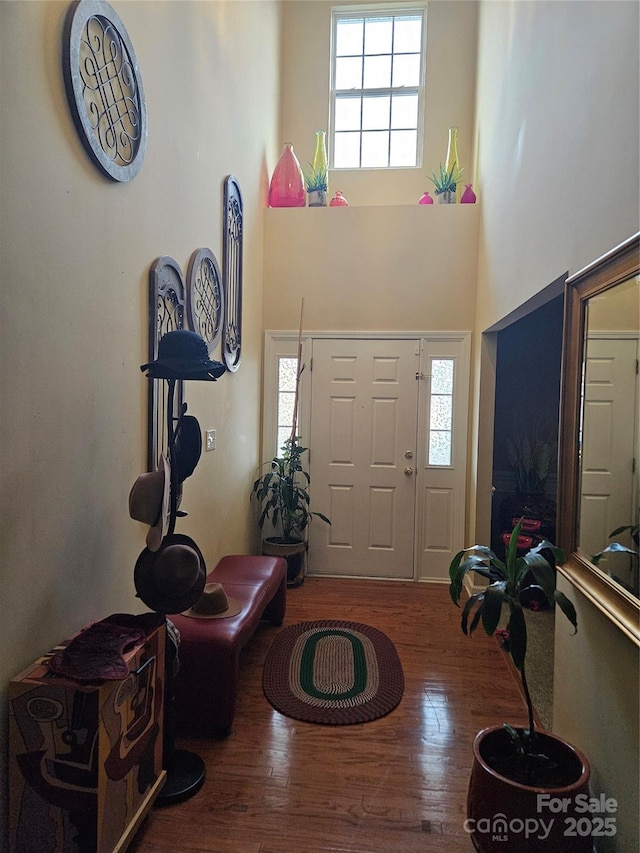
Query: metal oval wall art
[[232, 243], [104, 89], [205, 297]]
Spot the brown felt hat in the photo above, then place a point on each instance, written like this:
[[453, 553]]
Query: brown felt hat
[[214, 603], [149, 502], [171, 579]]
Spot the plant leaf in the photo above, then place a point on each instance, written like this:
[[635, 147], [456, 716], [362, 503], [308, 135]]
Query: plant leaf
[[512, 551], [543, 573], [474, 599], [567, 608], [558, 554], [517, 634], [492, 610]]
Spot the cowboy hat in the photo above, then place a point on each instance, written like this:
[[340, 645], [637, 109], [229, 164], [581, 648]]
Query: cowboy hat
[[171, 579], [214, 603], [149, 502], [183, 355], [187, 447]]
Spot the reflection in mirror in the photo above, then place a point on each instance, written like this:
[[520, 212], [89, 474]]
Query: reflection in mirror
[[609, 475], [599, 459]]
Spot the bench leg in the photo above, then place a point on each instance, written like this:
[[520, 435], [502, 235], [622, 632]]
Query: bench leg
[[275, 610]]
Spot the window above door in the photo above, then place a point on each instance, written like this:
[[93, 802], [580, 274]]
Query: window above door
[[377, 87]]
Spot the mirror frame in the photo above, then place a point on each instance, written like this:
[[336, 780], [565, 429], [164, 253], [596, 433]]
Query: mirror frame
[[619, 605]]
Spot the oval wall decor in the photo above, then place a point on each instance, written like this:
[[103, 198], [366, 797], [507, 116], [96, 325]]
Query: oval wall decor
[[205, 297], [166, 314], [232, 270], [104, 89]]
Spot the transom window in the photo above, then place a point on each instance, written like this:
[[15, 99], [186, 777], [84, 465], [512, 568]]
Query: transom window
[[377, 88]]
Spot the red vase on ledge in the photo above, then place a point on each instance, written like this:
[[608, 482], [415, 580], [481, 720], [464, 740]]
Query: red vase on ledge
[[468, 196], [287, 183]]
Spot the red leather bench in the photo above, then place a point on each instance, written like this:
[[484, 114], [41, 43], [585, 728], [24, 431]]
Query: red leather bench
[[206, 686]]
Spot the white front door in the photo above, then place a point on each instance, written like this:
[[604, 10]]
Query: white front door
[[363, 439], [610, 412]]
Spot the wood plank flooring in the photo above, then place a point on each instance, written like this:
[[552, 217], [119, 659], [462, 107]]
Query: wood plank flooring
[[394, 785]]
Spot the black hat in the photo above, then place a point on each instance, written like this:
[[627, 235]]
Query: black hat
[[172, 579], [183, 355], [187, 447]]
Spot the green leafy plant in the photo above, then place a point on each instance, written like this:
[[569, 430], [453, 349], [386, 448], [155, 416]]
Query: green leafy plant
[[634, 532], [282, 492], [445, 181], [531, 451], [316, 180], [507, 581]]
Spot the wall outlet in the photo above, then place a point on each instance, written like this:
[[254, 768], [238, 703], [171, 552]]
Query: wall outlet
[[211, 439]]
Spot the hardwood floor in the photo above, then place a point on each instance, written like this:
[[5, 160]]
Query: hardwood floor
[[394, 785]]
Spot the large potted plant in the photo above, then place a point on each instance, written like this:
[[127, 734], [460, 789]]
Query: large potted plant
[[532, 451], [519, 773], [283, 494]]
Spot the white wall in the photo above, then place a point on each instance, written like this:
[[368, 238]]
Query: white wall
[[409, 267], [75, 253], [557, 138], [596, 705]]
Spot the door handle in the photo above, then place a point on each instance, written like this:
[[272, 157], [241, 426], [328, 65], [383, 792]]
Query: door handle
[[408, 471]]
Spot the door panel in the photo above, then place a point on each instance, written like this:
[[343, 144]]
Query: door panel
[[364, 409], [438, 518], [610, 405]]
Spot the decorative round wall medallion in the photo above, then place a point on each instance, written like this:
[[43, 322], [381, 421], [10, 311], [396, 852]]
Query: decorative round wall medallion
[[104, 88], [205, 297]]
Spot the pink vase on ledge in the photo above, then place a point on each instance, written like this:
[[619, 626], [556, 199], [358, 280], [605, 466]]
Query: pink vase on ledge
[[468, 196], [338, 200], [287, 183], [425, 198]]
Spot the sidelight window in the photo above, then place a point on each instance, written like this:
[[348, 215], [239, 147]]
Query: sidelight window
[[441, 411], [287, 368]]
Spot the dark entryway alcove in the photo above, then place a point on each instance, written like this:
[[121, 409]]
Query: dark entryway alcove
[[527, 397]]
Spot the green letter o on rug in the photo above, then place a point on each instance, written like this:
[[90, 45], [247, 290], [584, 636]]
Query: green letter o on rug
[[333, 673]]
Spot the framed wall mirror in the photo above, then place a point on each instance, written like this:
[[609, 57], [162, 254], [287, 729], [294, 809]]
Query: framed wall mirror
[[599, 461]]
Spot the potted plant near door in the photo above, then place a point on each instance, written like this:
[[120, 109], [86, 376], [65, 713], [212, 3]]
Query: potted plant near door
[[282, 492], [518, 773]]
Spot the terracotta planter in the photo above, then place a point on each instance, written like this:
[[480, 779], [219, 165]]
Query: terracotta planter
[[295, 554], [506, 816]]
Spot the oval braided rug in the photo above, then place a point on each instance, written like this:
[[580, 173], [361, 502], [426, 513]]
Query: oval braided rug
[[333, 673]]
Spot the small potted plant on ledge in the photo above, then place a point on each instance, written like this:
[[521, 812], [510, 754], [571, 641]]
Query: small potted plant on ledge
[[316, 183], [445, 184], [282, 492], [513, 766]]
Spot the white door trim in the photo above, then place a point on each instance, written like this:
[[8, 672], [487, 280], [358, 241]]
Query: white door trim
[[285, 343]]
